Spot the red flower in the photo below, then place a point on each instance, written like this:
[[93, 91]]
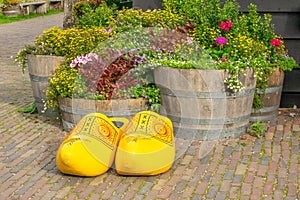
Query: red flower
[[229, 24], [223, 25], [226, 26], [275, 42]]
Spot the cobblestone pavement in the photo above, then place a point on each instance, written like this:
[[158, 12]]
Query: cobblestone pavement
[[244, 168]]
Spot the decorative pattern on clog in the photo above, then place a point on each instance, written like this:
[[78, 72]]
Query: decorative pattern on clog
[[152, 124]]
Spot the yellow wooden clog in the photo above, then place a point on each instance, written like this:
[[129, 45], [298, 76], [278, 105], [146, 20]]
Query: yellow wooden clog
[[147, 147], [90, 147]]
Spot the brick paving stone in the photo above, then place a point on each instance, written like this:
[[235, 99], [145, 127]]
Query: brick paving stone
[[165, 193], [268, 188], [228, 175], [256, 193], [201, 188], [146, 188], [187, 193], [234, 192], [258, 181], [151, 195], [180, 186], [249, 177], [225, 185], [292, 189], [237, 180], [246, 189], [241, 169], [264, 160], [262, 170], [221, 196], [212, 192]]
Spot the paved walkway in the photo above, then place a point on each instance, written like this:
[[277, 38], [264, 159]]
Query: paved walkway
[[243, 168]]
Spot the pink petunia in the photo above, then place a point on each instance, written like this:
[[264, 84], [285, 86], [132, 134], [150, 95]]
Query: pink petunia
[[221, 40], [223, 58]]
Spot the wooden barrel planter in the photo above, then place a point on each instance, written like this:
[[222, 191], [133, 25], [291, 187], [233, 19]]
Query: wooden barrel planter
[[40, 67], [270, 98], [200, 106], [72, 110]]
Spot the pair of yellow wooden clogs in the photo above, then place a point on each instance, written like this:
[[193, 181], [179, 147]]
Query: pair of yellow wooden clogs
[[143, 145]]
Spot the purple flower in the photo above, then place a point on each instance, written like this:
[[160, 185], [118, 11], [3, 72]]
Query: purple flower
[[221, 40]]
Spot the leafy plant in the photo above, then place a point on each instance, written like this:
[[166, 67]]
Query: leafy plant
[[31, 109], [92, 13], [258, 128]]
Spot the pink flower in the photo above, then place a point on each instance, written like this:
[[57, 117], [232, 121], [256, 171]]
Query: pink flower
[[73, 64], [275, 42], [221, 40], [226, 26], [223, 58], [189, 40]]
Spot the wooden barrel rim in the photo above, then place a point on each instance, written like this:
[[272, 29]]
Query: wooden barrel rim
[[208, 121], [84, 112], [270, 90], [264, 117], [38, 78], [206, 95]]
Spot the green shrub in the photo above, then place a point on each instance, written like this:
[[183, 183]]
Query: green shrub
[[88, 14]]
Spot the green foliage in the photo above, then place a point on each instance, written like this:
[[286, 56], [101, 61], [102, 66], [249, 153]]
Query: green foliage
[[68, 43], [88, 14], [150, 92], [258, 128], [31, 109], [131, 19]]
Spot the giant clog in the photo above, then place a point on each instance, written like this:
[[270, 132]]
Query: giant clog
[[90, 147], [147, 147]]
